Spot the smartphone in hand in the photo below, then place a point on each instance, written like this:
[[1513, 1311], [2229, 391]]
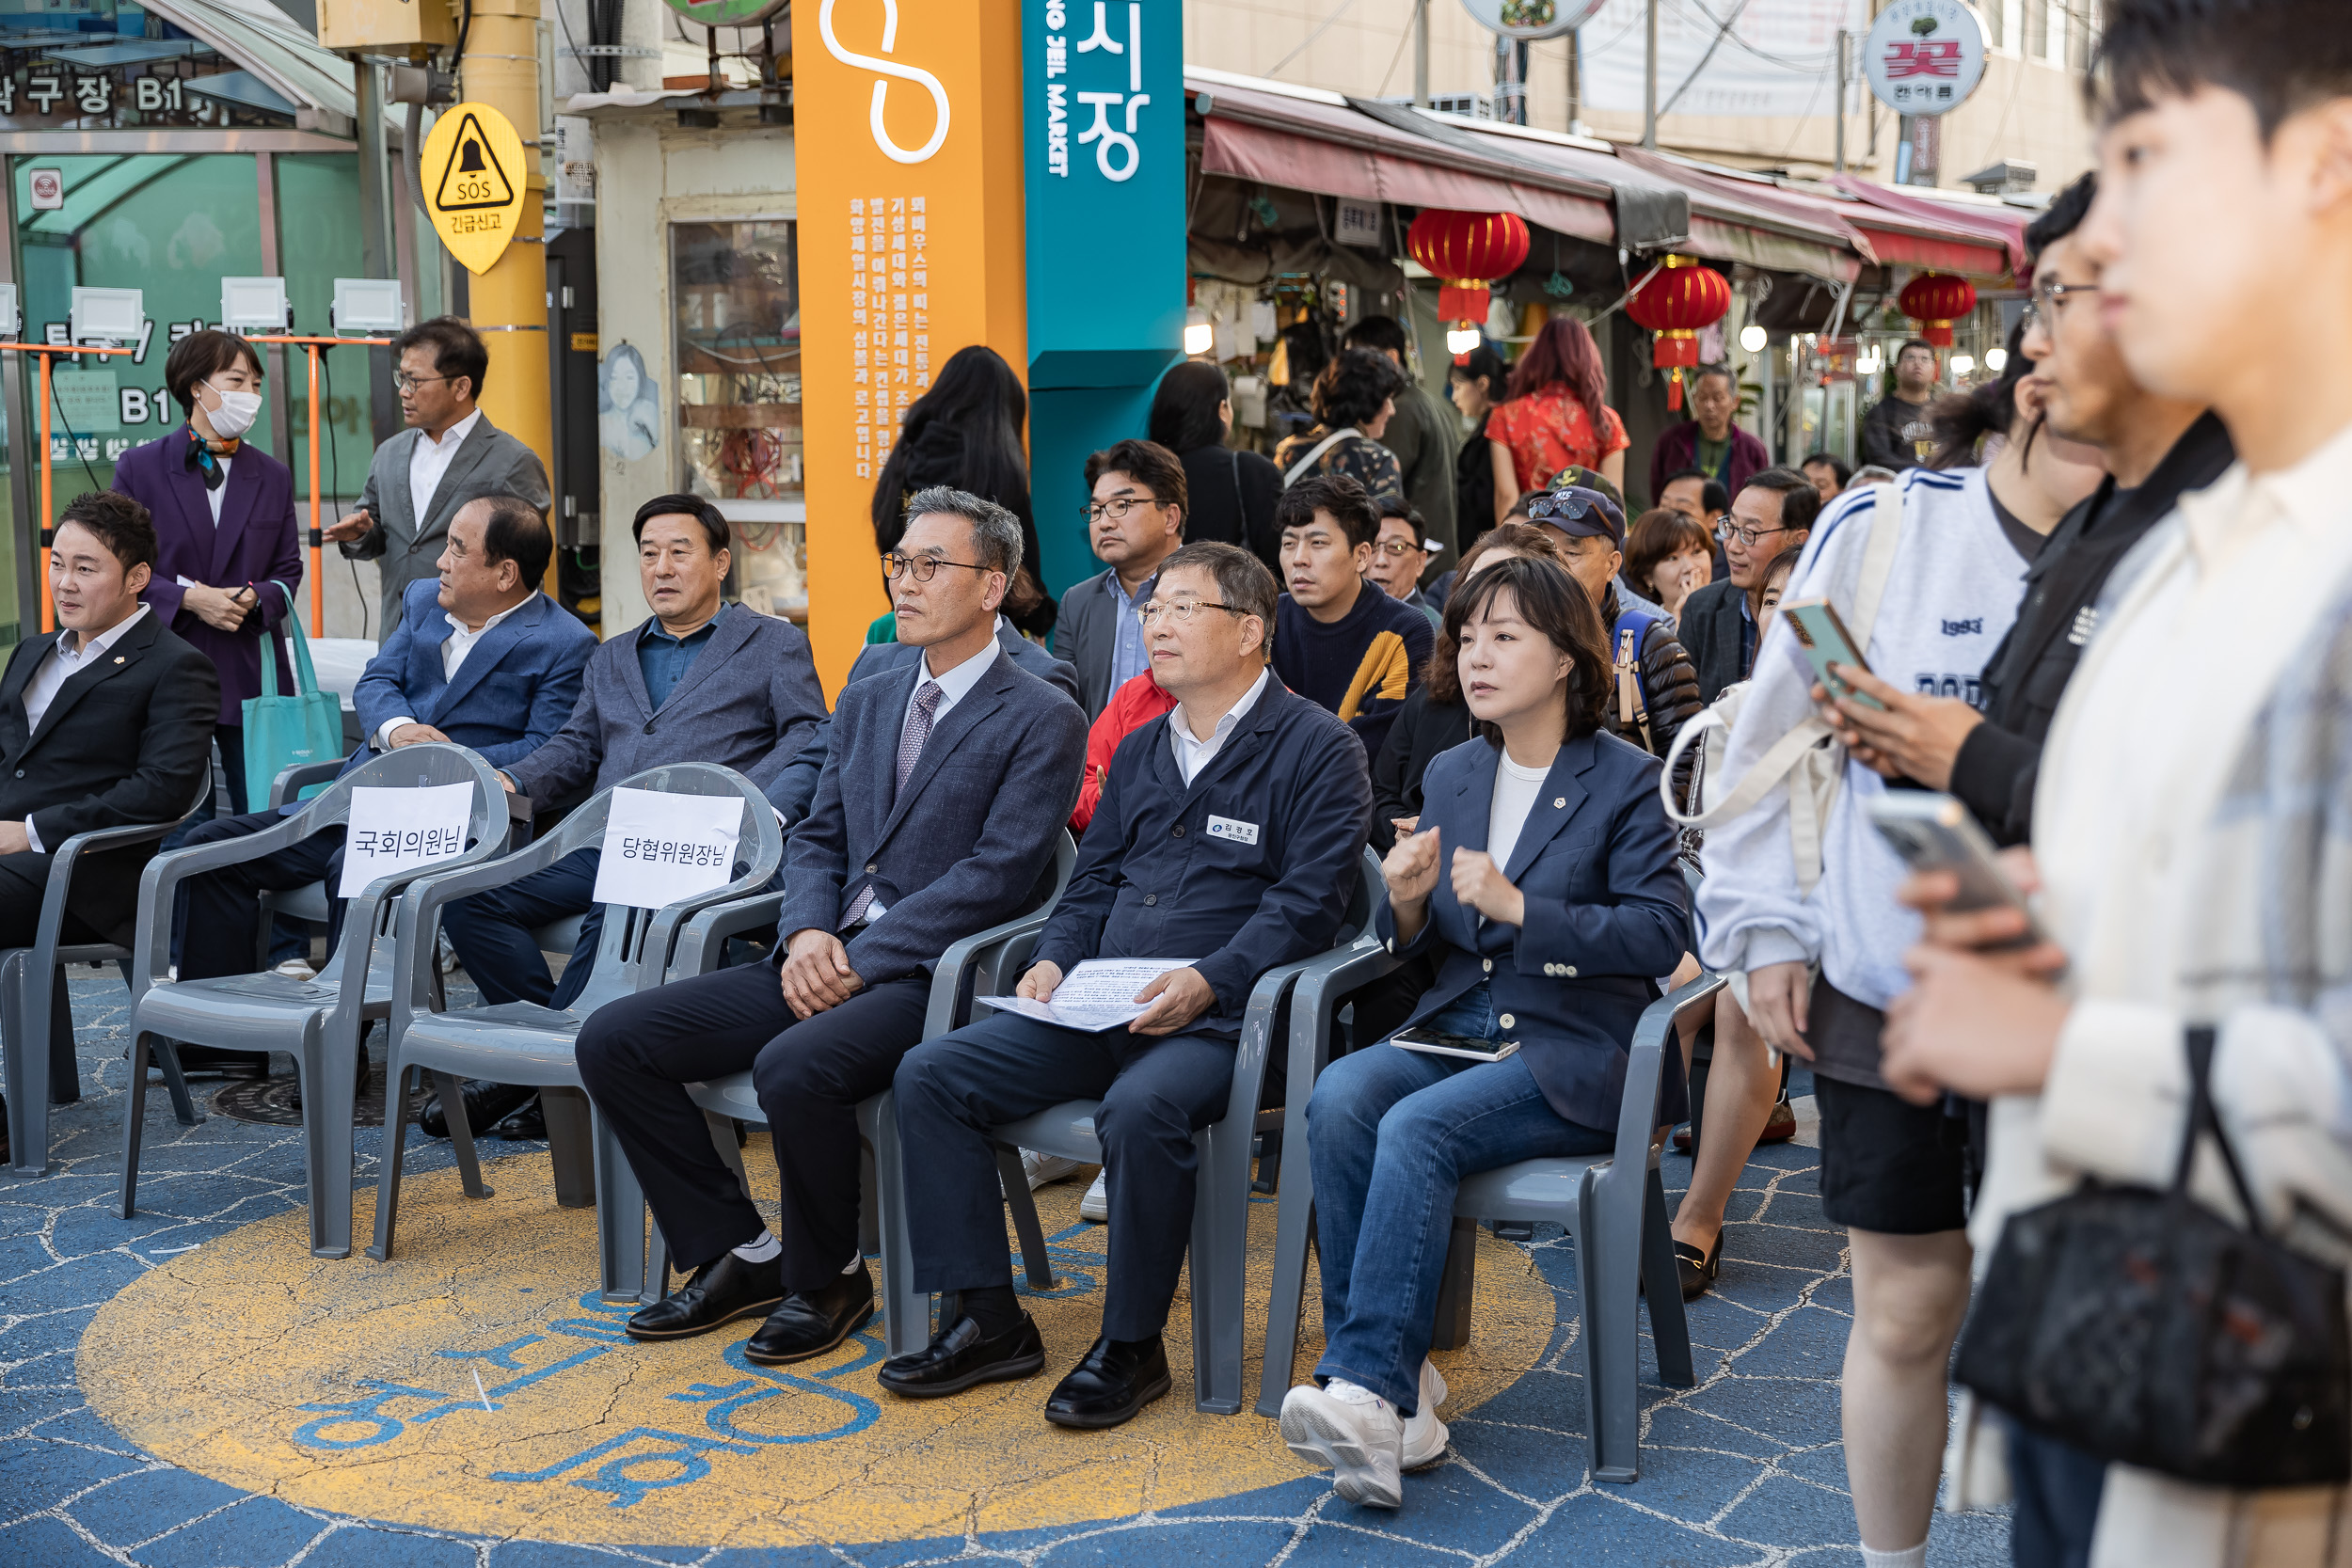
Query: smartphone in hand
[[1826, 642], [1935, 832]]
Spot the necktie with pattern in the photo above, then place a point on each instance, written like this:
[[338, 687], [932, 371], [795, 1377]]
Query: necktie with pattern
[[911, 739]]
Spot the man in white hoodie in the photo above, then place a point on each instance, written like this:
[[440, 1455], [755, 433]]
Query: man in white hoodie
[[2191, 867], [1891, 1173]]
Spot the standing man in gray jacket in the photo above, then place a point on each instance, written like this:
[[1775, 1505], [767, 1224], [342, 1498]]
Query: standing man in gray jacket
[[701, 681], [449, 455], [1135, 520], [1424, 437]]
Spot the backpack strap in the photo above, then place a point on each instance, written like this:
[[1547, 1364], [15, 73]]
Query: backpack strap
[[1305, 465], [1630, 631], [1878, 564]]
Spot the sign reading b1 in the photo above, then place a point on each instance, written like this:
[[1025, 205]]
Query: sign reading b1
[[475, 179], [1925, 56]]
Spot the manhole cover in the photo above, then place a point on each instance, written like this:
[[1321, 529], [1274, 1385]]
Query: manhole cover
[[271, 1101]]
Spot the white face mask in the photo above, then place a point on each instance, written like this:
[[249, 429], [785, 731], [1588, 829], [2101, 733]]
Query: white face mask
[[235, 415]]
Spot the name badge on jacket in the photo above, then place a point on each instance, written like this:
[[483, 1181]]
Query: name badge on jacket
[[1240, 832]]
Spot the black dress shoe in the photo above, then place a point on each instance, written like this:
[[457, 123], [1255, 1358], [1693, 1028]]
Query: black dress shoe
[[812, 1322], [959, 1357], [530, 1124], [486, 1105], [1115, 1381], [1697, 1269], [720, 1292]]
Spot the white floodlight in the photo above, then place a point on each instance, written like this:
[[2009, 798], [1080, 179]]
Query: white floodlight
[[1199, 332], [11, 318], [109, 315], [1962, 364], [369, 305], [255, 305], [1997, 359], [1753, 337], [1461, 339]]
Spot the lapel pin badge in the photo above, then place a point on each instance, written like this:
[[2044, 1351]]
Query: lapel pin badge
[[120, 659]]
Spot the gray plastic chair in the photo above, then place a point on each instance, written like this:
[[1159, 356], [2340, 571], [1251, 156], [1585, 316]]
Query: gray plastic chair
[[1220, 1214], [522, 1042], [980, 964], [320, 1021], [37, 1016], [1613, 1206]]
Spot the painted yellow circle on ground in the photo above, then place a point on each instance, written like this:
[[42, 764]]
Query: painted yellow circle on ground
[[475, 1383]]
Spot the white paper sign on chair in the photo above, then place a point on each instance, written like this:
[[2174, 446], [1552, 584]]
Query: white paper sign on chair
[[393, 829], [660, 848]]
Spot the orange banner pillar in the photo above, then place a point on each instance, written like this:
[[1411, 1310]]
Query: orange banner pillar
[[911, 247]]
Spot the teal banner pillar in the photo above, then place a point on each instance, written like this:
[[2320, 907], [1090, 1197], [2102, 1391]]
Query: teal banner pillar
[[1103, 181]]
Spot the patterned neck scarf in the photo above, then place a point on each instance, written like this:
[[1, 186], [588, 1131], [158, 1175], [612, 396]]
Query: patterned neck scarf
[[203, 456]]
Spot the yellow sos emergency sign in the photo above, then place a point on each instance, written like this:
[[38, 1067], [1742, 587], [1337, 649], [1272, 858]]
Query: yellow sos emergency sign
[[475, 179]]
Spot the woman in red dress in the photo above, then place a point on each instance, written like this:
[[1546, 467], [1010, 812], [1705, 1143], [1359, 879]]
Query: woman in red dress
[[1554, 418]]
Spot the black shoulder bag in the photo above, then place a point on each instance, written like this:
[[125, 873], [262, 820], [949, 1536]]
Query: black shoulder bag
[[2143, 1328]]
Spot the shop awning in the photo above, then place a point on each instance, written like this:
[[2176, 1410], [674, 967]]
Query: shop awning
[[1741, 217], [285, 67], [1912, 229], [1313, 141]]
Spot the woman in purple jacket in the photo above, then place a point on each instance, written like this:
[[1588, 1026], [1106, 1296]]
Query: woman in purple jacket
[[225, 524]]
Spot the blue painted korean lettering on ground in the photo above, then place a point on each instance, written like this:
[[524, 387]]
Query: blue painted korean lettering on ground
[[620, 1474]]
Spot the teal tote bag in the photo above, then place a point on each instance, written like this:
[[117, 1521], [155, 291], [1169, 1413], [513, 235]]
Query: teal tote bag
[[288, 732]]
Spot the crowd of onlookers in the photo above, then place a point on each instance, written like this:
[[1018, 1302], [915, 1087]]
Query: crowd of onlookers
[[2076, 1045]]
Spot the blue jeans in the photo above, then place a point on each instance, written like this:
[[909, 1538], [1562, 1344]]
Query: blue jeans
[[1391, 1133], [2055, 1509]]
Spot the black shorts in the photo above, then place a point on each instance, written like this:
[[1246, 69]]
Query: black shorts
[[1889, 1166]]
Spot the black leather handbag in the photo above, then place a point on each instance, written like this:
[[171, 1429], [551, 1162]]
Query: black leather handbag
[[2143, 1328]]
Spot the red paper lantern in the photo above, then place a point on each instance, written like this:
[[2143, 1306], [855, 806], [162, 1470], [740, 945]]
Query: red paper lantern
[[1675, 301], [1465, 251], [1935, 300]]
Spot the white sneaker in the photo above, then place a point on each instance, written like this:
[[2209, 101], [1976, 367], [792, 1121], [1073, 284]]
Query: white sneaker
[[296, 969], [1042, 1168], [1354, 1431], [1425, 1434], [1096, 1205]]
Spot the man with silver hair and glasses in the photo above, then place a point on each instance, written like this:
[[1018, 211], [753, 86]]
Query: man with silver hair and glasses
[[945, 786]]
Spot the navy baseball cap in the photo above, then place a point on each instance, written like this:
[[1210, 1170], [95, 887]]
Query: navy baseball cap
[[1575, 510]]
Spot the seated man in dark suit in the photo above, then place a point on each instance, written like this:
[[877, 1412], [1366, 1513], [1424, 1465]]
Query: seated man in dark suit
[[105, 723], [938, 805], [1228, 834], [795, 788], [1771, 515], [481, 659], [700, 681]]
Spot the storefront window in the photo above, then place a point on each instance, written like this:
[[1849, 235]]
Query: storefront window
[[739, 358], [169, 224]]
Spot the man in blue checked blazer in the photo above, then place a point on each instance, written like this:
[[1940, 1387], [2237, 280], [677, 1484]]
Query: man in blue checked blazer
[[481, 659], [945, 786]]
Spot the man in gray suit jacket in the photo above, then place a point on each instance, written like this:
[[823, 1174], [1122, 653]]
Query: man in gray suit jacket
[[448, 455], [1135, 520], [935, 817]]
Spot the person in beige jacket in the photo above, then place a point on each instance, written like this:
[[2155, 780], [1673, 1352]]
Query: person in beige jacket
[[2192, 873]]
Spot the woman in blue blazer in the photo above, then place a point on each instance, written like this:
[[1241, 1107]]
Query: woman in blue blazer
[[1543, 886], [224, 530]]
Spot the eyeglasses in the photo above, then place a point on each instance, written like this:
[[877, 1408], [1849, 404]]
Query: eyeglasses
[[2043, 308], [404, 382], [1115, 509], [1396, 550], [1747, 537], [925, 568], [1183, 610]]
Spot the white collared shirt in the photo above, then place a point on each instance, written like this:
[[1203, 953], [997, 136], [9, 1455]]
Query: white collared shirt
[[428, 460], [1193, 754], [953, 686], [60, 664], [454, 652]]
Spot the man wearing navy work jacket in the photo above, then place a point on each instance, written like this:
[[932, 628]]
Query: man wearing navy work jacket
[[1228, 836], [935, 817], [699, 681], [481, 659]]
